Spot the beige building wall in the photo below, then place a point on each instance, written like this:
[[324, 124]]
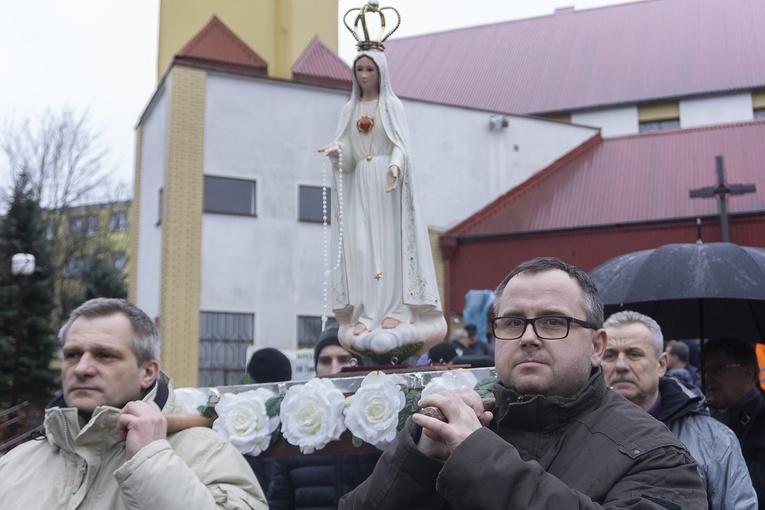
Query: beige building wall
[[277, 30], [134, 216]]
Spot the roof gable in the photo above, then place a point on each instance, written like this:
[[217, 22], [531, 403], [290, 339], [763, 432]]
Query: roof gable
[[217, 46], [318, 64], [575, 60], [631, 179]]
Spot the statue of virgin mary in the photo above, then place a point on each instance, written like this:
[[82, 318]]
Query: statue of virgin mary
[[384, 292]]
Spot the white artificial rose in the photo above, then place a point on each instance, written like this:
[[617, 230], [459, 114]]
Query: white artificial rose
[[371, 414], [243, 420], [450, 381], [189, 400], [312, 414]]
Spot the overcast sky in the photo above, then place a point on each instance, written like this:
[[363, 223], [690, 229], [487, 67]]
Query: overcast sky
[[100, 55]]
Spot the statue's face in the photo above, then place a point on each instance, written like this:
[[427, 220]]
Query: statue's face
[[367, 76]]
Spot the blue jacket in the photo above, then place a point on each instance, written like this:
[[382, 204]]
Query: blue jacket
[[713, 445]]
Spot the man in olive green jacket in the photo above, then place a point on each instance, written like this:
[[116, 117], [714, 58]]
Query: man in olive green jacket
[[558, 436], [106, 442]]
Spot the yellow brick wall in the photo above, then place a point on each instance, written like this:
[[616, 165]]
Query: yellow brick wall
[[182, 226], [438, 262]]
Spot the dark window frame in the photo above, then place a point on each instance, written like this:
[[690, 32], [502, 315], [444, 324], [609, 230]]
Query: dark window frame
[[74, 225], [308, 329], [304, 199], [210, 208], [118, 259], [652, 126], [224, 335], [118, 221]]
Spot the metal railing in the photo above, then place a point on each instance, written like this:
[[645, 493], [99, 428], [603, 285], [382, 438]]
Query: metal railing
[[17, 423]]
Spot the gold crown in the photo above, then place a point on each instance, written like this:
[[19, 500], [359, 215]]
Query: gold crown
[[361, 33]]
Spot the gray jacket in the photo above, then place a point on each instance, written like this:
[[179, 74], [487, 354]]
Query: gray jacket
[[713, 445]]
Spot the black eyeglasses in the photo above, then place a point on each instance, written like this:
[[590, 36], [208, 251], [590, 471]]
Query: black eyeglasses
[[717, 370], [547, 327]]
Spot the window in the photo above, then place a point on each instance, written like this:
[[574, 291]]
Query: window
[[118, 221], [310, 204], [758, 104], [51, 226], [309, 329], [229, 196], [223, 341], [79, 226], [658, 116], [74, 267], [118, 259], [658, 125]]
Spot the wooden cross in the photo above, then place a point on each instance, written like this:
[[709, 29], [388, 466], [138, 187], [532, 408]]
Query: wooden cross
[[722, 191]]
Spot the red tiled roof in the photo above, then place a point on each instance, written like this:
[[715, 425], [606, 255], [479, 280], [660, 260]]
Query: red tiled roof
[[632, 179], [573, 60], [216, 46], [318, 64]]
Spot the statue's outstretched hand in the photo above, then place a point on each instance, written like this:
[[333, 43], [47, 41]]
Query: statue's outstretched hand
[[331, 149], [393, 171]]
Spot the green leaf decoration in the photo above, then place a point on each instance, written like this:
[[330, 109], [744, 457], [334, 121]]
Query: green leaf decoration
[[412, 396], [484, 386], [403, 352], [273, 406], [356, 442], [206, 411]]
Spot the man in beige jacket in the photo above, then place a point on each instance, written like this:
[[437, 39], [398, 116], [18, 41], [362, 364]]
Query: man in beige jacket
[[106, 441]]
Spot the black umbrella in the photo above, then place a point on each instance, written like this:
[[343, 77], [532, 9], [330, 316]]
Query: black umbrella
[[692, 290]]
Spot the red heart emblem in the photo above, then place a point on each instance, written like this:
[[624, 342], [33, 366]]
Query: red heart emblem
[[365, 124]]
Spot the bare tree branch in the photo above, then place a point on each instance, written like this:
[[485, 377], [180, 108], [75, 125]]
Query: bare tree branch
[[63, 155]]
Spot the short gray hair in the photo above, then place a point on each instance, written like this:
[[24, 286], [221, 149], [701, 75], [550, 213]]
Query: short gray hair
[[144, 342], [628, 317], [591, 300]]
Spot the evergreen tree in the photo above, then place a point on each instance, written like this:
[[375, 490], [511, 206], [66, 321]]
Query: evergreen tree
[[98, 277], [22, 232], [101, 278]]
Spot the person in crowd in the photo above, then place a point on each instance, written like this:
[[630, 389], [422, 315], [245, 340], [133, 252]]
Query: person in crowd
[[109, 441], [467, 344], [329, 357], [269, 365], [557, 436], [730, 371], [442, 354], [318, 481], [634, 366], [266, 365], [679, 360]]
